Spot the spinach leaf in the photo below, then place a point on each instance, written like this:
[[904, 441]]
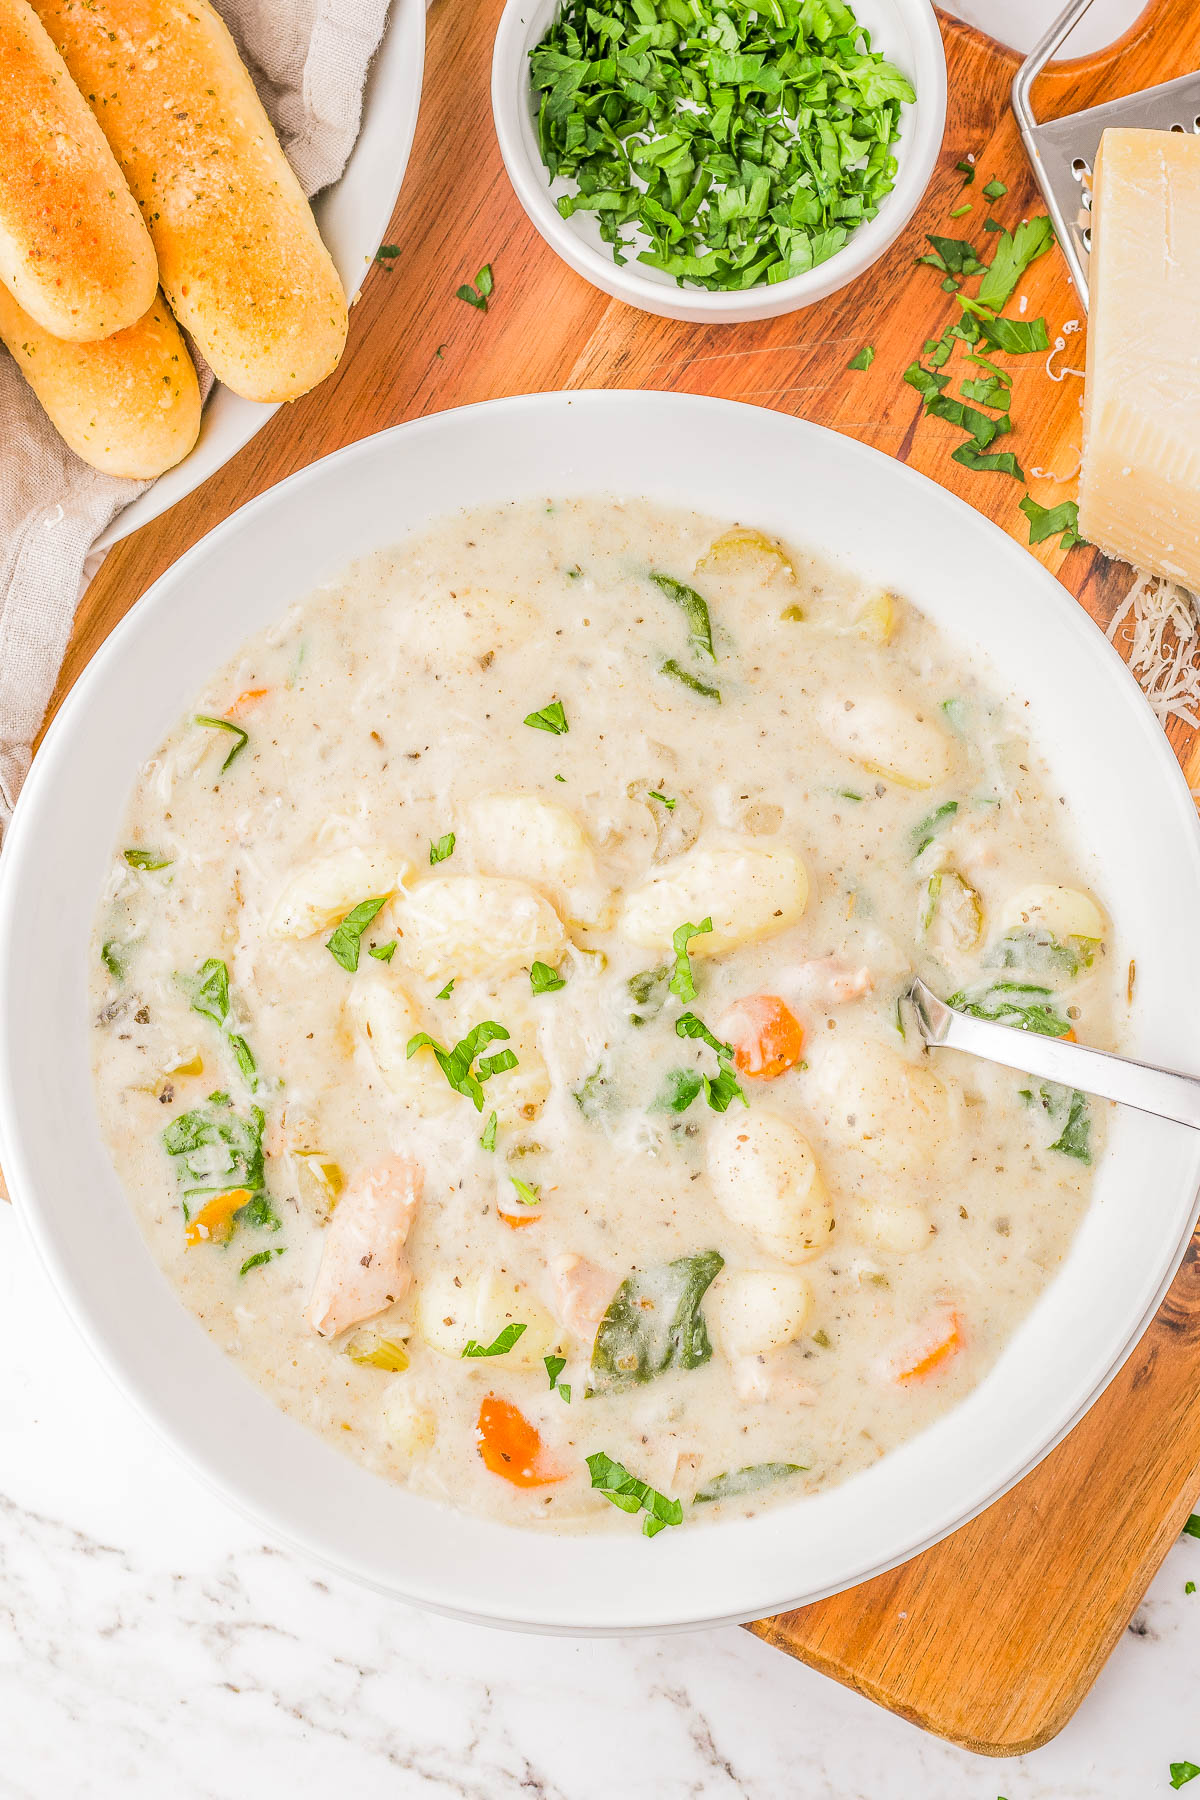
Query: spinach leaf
[[924, 833], [208, 991], [745, 1481], [648, 991], [1022, 1004], [1075, 1138], [680, 1087], [677, 672], [695, 608], [654, 1322], [259, 1258], [216, 1149]]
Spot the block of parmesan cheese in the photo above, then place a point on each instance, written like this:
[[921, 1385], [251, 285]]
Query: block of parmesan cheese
[[1139, 490]]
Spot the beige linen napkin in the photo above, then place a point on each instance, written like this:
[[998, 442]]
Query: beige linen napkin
[[309, 60]]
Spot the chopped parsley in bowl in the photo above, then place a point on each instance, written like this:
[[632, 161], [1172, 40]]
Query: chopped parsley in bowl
[[725, 145]]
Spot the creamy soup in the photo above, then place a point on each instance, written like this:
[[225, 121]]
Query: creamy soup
[[499, 1020]]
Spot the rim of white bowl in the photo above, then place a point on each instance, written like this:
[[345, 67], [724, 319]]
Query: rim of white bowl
[[522, 24], [122, 1351]]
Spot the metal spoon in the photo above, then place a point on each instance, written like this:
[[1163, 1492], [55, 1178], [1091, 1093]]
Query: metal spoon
[[1160, 1091]]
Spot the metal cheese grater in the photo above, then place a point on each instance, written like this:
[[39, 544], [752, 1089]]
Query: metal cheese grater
[[1062, 151]]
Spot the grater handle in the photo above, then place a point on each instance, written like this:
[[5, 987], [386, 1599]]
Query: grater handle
[[1023, 81]]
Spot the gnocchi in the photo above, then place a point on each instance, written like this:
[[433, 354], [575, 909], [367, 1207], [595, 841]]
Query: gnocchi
[[321, 893], [890, 738], [765, 1178], [453, 1311], [476, 925], [750, 888]]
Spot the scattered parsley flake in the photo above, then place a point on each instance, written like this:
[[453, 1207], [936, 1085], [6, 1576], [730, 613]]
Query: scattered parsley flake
[[1044, 521], [960, 210], [545, 980], [446, 991], [147, 859], [682, 984], [527, 1192], [550, 717], [456, 1063], [346, 943], [441, 848], [615, 1482], [695, 608], [967, 171], [995, 190], [259, 1258], [1183, 1772], [477, 296], [864, 359], [678, 673], [488, 1140], [500, 1347], [387, 254], [655, 795], [383, 952]]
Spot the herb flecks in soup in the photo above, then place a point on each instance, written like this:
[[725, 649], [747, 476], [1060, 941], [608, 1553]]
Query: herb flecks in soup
[[499, 1026]]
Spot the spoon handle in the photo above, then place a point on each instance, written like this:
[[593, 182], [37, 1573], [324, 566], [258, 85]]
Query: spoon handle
[[1163, 1092]]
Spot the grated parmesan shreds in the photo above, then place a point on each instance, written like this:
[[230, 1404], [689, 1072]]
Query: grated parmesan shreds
[[1162, 624]]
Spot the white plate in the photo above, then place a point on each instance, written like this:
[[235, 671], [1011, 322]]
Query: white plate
[[1129, 804], [353, 215]]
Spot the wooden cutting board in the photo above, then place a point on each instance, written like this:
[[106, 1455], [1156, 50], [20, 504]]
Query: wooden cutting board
[[993, 1637]]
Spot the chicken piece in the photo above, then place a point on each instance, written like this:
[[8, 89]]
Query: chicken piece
[[581, 1294], [363, 1266], [827, 981]]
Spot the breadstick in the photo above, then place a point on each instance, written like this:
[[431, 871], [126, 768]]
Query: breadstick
[[240, 257], [129, 404], [73, 248]]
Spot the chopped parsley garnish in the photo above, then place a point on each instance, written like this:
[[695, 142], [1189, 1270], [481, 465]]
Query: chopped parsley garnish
[[1192, 1526], [678, 673], [864, 359], [114, 962], [441, 848], [243, 737], [456, 1064], [655, 795], [745, 1481], [1003, 463], [615, 1482], [1189, 1587], [445, 992], [1044, 521], [961, 211], [1019, 337], [259, 1258], [488, 1140], [500, 1347], [745, 145], [554, 1367], [967, 171], [550, 718], [995, 190], [1075, 1139], [383, 952], [387, 254], [954, 256], [924, 833], [722, 1089], [1012, 257], [346, 942], [695, 608], [992, 390], [477, 295], [682, 983], [1181, 1772], [593, 1097], [147, 859], [208, 990], [545, 980], [527, 1193], [680, 1087]]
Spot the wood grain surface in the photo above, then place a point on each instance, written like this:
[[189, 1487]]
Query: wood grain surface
[[992, 1637]]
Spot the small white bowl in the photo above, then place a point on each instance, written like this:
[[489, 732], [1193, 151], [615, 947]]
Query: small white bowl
[[905, 31]]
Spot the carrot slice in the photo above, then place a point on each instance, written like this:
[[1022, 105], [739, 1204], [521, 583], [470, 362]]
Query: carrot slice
[[512, 1448], [213, 1224], [767, 1037], [247, 698], [940, 1338], [517, 1221]]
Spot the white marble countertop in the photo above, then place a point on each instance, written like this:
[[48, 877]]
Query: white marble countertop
[[152, 1644]]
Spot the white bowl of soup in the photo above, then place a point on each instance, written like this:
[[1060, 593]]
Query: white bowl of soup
[[450, 944]]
